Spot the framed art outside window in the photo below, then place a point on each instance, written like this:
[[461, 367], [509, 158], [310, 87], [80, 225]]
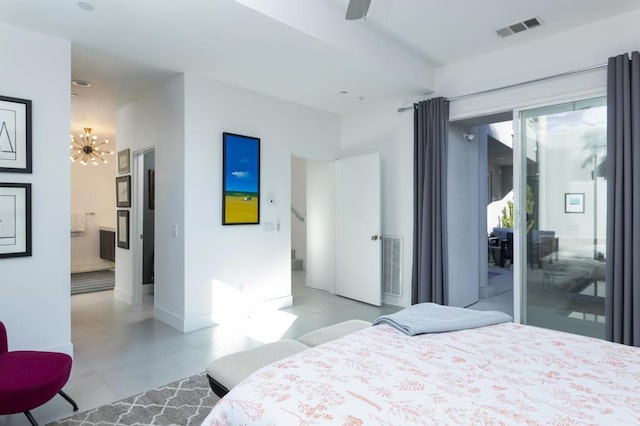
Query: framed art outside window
[[574, 202]]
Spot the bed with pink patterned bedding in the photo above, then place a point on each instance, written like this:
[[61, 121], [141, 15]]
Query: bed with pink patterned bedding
[[499, 374]]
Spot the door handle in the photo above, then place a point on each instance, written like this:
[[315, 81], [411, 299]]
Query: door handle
[[375, 238]]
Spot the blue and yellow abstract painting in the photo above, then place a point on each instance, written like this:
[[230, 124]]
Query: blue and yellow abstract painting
[[241, 181]]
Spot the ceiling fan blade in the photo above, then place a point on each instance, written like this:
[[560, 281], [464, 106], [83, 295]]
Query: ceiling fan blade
[[357, 9]]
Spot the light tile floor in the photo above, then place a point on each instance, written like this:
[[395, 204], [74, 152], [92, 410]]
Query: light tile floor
[[502, 282], [122, 350]]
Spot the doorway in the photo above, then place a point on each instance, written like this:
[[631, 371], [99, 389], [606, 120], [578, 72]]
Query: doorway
[[343, 248], [480, 198], [298, 213], [563, 156], [298, 226], [144, 207]]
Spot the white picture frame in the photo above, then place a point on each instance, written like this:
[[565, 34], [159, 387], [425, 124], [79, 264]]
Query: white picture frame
[[574, 202]]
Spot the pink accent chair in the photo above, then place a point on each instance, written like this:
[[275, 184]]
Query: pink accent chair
[[28, 379]]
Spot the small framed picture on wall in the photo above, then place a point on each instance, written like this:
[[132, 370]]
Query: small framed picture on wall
[[15, 135], [123, 191], [124, 161], [123, 229], [15, 219]]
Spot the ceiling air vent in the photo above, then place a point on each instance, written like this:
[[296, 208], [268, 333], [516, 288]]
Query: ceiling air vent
[[519, 27]]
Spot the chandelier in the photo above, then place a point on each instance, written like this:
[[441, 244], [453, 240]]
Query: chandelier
[[85, 148]]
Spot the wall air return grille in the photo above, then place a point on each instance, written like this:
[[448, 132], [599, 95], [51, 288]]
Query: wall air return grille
[[391, 265], [519, 27]]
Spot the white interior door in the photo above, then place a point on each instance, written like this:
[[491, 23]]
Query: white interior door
[[357, 228]]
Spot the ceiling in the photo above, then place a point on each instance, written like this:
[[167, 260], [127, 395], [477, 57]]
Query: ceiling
[[304, 52]]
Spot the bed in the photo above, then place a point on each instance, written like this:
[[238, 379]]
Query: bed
[[498, 374]]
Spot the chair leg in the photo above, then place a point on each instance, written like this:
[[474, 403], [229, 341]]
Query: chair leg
[[31, 419], [69, 400]]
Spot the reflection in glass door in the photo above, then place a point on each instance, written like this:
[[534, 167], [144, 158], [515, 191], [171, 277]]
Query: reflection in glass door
[[563, 232]]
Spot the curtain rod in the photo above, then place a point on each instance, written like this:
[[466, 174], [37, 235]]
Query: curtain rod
[[511, 86]]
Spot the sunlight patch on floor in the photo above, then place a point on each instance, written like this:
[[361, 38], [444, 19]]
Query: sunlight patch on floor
[[243, 314]]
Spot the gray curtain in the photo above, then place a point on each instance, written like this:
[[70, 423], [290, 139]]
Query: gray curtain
[[430, 272], [622, 303]]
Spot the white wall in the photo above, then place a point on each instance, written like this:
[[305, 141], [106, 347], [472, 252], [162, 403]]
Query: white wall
[[566, 51], [320, 225], [34, 291], [184, 119], [581, 47], [157, 120], [92, 191], [299, 202], [247, 258], [380, 128]]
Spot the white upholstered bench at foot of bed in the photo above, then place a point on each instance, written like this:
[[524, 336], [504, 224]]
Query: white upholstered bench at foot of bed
[[332, 332], [226, 372]]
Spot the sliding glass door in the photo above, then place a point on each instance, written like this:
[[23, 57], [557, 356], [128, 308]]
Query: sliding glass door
[[562, 220]]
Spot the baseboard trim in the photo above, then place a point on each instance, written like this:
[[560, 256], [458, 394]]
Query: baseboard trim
[[197, 322], [66, 348], [168, 318], [278, 303], [181, 324], [320, 285], [123, 296]]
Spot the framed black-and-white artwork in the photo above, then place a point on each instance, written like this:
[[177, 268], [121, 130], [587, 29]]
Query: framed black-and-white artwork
[[15, 219], [15, 135], [123, 191], [123, 229], [124, 161]]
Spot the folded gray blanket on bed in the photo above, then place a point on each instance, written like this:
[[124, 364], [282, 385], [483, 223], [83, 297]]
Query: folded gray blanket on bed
[[433, 318]]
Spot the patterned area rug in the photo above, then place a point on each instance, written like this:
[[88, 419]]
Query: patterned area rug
[[185, 402], [87, 282]]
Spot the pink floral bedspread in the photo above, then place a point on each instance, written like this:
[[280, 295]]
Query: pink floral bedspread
[[503, 374]]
